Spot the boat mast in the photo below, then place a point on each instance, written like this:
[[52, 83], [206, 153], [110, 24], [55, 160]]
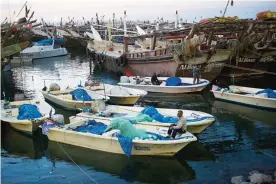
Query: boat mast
[[227, 7]]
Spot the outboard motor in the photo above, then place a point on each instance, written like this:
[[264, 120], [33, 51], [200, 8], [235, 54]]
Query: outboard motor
[[54, 87]]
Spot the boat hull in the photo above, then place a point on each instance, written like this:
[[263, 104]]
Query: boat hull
[[66, 104], [257, 102], [112, 145], [169, 89], [26, 126], [146, 67], [45, 54], [194, 127], [123, 100]]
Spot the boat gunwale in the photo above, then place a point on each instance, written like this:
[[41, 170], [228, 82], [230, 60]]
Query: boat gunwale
[[179, 140], [234, 94]]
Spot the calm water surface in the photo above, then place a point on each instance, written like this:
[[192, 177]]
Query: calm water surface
[[240, 140]]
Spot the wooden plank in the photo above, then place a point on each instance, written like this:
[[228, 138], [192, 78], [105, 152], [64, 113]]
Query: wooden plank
[[13, 49]]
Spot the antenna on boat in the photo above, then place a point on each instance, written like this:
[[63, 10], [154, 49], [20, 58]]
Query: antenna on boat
[[125, 20], [113, 20], [176, 20]]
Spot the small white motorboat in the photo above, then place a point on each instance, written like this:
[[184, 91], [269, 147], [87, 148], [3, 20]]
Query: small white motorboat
[[118, 95], [67, 99], [196, 121], [184, 85], [255, 97], [110, 142], [44, 49], [10, 114]]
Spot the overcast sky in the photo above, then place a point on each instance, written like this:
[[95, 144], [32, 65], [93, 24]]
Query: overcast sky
[[136, 9]]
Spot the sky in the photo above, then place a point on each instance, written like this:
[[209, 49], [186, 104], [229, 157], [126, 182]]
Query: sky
[[190, 10]]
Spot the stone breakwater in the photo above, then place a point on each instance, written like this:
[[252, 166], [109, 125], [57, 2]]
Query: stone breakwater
[[255, 177]]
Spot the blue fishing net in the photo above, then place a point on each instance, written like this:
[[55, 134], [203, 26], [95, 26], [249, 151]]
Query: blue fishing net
[[93, 127], [28, 111], [154, 114], [270, 93], [173, 81], [80, 95]]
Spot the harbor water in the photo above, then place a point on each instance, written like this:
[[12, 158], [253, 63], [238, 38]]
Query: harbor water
[[241, 139]]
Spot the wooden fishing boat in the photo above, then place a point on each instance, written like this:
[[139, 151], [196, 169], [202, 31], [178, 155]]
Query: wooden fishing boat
[[196, 121], [64, 99], [10, 112], [160, 147], [118, 95], [245, 96], [186, 86]]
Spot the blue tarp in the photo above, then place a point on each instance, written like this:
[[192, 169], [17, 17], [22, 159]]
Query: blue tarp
[[80, 95], [173, 81], [93, 127], [28, 111], [126, 145], [153, 113], [49, 42], [270, 93]]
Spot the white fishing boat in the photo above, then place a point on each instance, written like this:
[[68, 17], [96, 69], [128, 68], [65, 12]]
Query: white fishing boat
[[196, 121], [65, 99], [10, 112], [111, 143], [117, 94], [44, 49], [186, 85], [254, 97]]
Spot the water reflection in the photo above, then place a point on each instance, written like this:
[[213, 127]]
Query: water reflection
[[143, 169], [250, 113]]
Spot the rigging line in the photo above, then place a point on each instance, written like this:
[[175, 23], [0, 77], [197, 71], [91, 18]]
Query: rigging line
[[243, 68], [77, 164], [265, 153]]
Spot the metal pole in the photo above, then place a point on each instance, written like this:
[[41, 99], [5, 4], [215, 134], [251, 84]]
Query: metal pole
[[225, 8]]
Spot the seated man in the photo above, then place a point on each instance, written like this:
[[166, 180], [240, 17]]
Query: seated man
[[154, 80], [180, 128]]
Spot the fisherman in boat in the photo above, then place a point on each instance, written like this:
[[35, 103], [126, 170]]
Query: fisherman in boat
[[196, 74], [179, 128], [154, 79]]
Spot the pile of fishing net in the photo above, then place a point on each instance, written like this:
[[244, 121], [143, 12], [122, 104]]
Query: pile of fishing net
[[80, 95], [154, 114], [28, 111]]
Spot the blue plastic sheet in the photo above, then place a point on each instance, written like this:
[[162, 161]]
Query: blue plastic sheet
[[270, 93], [153, 113], [80, 95], [173, 81], [49, 42], [93, 127], [28, 111], [126, 145]]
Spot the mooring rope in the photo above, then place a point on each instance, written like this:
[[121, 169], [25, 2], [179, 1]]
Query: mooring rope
[[265, 153], [77, 164]]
